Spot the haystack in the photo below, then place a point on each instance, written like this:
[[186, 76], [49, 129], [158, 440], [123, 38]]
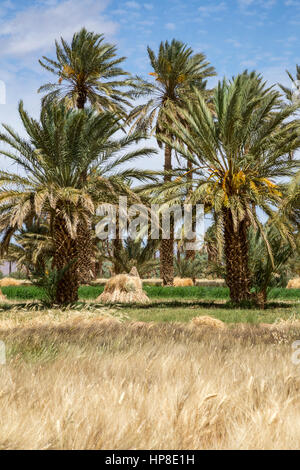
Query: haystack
[[10, 281], [124, 288], [207, 321], [294, 283], [182, 282], [2, 296]]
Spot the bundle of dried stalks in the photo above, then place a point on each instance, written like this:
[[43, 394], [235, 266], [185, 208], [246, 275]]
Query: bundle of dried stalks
[[207, 321], [10, 281], [294, 283], [183, 282], [124, 288]]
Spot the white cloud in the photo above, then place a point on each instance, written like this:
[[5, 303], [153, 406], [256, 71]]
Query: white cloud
[[146, 23], [36, 27], [234, 42], [211, 9], [292, 3], [132, 4], [119, 11], [266, 4], [148, 6], [249, 63], [276, 74], [30, 33], [170, 26]]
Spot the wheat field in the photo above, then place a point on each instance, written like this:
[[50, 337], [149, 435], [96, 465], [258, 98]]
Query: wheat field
[[98, 381]]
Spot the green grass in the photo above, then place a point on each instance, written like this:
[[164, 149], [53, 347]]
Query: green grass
[[181, 304], [185, 314], [190, 292], [154, 292], [23, 292]]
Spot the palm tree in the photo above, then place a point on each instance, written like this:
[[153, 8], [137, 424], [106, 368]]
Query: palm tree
[[293, 94], [135, 253], [263, 270], [191, 268], [86, 70], [238, 153], [63, 146], [33, 248], [176, 69]]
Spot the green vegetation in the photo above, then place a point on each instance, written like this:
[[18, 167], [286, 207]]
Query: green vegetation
[[227, 315], [236, 148], [154, 292]]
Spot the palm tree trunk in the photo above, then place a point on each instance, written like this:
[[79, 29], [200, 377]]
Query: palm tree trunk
[[65, 254], [261, 298], [81, 99], [117, 247], [85, 250], [167, 246], [84, 230], [190, 254], [236, 255]]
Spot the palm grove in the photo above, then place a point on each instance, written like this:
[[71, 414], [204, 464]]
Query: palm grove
[[232, 148]]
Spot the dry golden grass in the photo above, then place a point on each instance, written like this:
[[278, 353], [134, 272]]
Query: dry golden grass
[[124, 288], [205, 320], [10, 281], [182, 282], [89, 380], [3, 297], [294, 283]]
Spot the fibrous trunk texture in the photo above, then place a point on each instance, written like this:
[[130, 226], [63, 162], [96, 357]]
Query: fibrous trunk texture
[[236, 255], [81, 98], [117, 248], [167, 245], [65, 255], [190, 254], [85, 248], [261, 298]]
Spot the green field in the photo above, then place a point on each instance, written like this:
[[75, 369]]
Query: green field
[[171, 304], [227, 315], [154, 292]]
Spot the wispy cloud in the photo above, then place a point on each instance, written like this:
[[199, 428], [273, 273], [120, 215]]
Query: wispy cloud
[[245, 3], [170, 26], [248, 63], [209, 10], [266, 4], [292, 3], [35, 28], [133, 5], [234, 42]]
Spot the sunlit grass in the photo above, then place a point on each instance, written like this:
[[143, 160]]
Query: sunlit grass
[[92, 379]]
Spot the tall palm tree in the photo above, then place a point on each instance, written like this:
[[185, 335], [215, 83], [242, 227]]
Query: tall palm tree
[[176, 69], [86, 70], [61, 147], [239, 155]]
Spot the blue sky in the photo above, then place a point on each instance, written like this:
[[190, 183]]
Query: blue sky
[[234, 34]]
